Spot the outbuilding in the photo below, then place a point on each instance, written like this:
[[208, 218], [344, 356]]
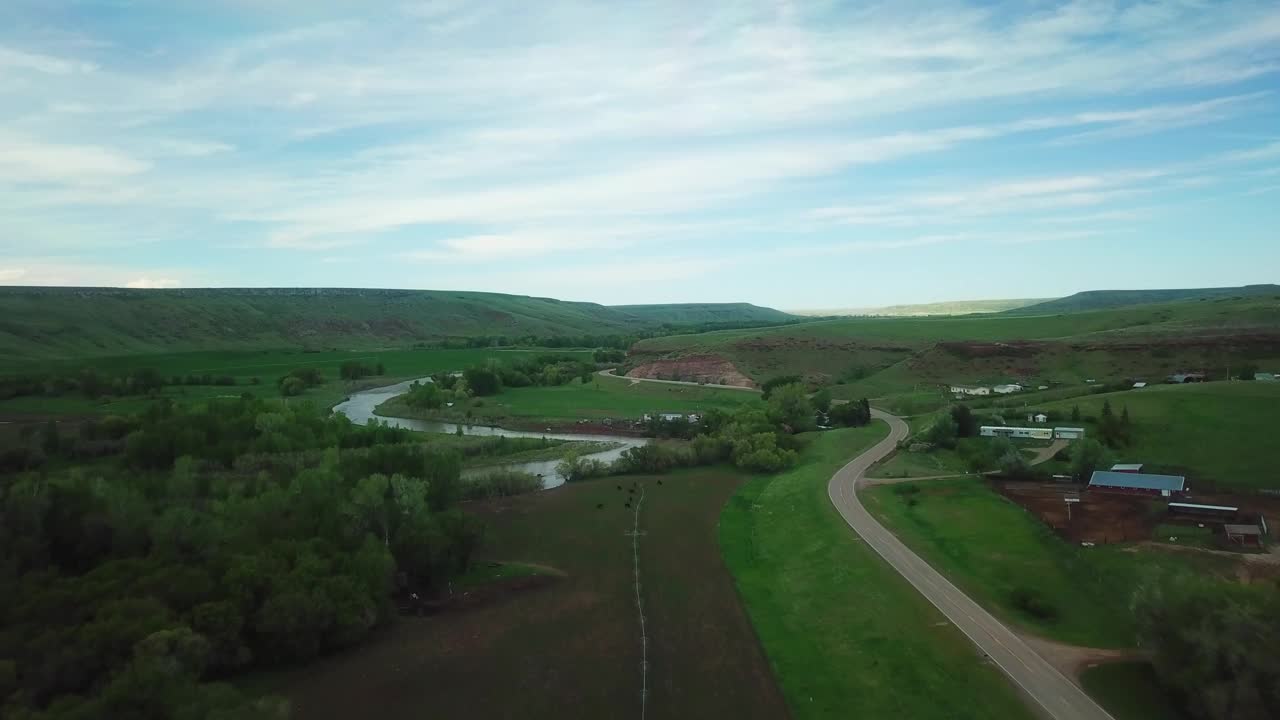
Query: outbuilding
[[969, 390], [1016, 432], [1007, 389], [1247, 535], [1068, 433], [1137, 483], [1127, 467], [1197, 510]]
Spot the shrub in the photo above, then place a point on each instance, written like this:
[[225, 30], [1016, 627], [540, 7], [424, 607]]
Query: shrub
[[1033, 603]]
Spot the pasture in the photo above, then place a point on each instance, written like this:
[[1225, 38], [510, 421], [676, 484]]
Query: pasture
[[845, 634], [1017, 568], [571, 648]]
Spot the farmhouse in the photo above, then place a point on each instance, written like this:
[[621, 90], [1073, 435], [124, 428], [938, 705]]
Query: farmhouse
[[1068, 433], [1016, 432], [1137, 483], [968, 390], [1181, 378], [1007, 389], [1127, 467]]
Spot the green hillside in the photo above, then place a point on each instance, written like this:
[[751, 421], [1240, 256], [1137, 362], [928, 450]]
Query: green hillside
[[1109, 299], [67, 322], [705, 313]]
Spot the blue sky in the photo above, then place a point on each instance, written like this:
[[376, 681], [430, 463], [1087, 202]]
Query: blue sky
[[793, 154]]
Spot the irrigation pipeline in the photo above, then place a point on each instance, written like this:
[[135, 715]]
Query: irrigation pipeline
[[644, 639]]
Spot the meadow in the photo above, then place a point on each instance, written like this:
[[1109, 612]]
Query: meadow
[[602, 397], [845, 634], [571, 648], [1214, 433], [1017, 568]]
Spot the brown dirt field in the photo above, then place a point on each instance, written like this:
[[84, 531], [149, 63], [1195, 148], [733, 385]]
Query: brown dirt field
[[570, 649], [693, 368], [1098, 517]]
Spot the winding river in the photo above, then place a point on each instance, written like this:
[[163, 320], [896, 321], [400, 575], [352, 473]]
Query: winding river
[[359, 408]]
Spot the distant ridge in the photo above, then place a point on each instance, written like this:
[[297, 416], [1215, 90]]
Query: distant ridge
[[700, 313], [1109, 299], [955, 307], [51, 322]]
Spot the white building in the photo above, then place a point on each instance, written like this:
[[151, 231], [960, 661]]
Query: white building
[[1016, 432], [1041, 417], [967, 390], [1068, 433], [1007, 389]]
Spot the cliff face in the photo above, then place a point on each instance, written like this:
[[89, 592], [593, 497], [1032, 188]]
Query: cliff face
[[711, 369]]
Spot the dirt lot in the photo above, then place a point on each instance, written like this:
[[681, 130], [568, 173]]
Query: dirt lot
[[1110, 518], [571, 648], [693, 368]]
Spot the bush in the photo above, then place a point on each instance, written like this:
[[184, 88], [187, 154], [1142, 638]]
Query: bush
[[1033, 603], [500, 483]]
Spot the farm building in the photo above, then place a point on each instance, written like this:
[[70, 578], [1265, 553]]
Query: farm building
[[1181, 378], [1195, 510], [1016, 432], [967, 390], [1068, 433], [1247, 535], [1137, 483], [1127, 467], [1139, 385], [1041, 417], [1007, 389], [1264, 377]]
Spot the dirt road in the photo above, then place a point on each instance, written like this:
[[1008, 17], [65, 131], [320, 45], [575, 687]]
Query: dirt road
[[610, 373], [1059, 698]]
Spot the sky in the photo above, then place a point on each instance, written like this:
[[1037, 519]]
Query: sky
[[791, 154]]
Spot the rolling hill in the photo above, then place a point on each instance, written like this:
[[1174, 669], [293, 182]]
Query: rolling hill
[[705, 313], [956, 307], [51, 322], [1109, 299]]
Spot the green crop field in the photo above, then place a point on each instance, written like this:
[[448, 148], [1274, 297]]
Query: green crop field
[[571, 649], [1130, 691], [846, 635], [995, 550], [1215, 433], [603, 397]]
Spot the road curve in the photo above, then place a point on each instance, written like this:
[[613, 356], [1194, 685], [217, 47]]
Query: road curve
[[1060, 698]]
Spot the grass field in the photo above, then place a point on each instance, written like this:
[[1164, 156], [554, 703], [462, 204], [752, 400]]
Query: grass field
[[1215, 433], [265, 365], [571, 649], [847, 636], [994, 550], [603, 397], [1130, 691]]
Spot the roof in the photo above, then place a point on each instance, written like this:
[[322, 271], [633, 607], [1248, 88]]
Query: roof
[[1242, 529], [1139, 385], [1068, 429], [1130, 467], [1195, 506], [1137, 481]]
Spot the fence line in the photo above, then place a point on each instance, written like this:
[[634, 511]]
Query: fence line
[[644, 638]]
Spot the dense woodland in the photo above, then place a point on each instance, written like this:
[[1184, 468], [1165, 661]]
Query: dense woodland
[[133, 582]]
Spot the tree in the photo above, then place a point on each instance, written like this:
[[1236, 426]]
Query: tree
[[1075, 413], [789, 406], [1087, 456], [483, 381], [292, 386], [822, 401], [1248, 371], [774, 383], [942, 433], [966, 423], [1013, 465]]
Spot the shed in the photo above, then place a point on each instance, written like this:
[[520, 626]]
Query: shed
[[1127, 467], [1137, 483], [1068, 433], [1007, 389], [1139, 385], [1244, 534], [1197, 510], [1264, 377], [1041, 417]]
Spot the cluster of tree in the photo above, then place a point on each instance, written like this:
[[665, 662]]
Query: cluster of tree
[[959, 422], [492, 376], [850, 414], [299, 380], [126, 593], [93, 384], [1116, 431], [357, 369], [1214, 643]]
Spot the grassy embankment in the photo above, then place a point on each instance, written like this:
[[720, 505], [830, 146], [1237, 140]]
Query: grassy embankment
[[1131, 691], [602, 397], [903, 362], [571, 648], [845, 634], [996, 552]]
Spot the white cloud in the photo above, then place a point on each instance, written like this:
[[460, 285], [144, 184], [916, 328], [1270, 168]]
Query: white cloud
[[25, 159], [9, 275], [14, 59]]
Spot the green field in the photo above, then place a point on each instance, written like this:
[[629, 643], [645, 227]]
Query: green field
[[603, 397], [993, 550], [1130, 691], [571, 649], [1214, 433], [847, 636]]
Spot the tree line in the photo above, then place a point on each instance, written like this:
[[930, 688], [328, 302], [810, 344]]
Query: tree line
[[94, 384]]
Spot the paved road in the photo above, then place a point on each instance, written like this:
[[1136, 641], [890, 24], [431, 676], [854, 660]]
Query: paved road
[[610, 373], [1060, 698]]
